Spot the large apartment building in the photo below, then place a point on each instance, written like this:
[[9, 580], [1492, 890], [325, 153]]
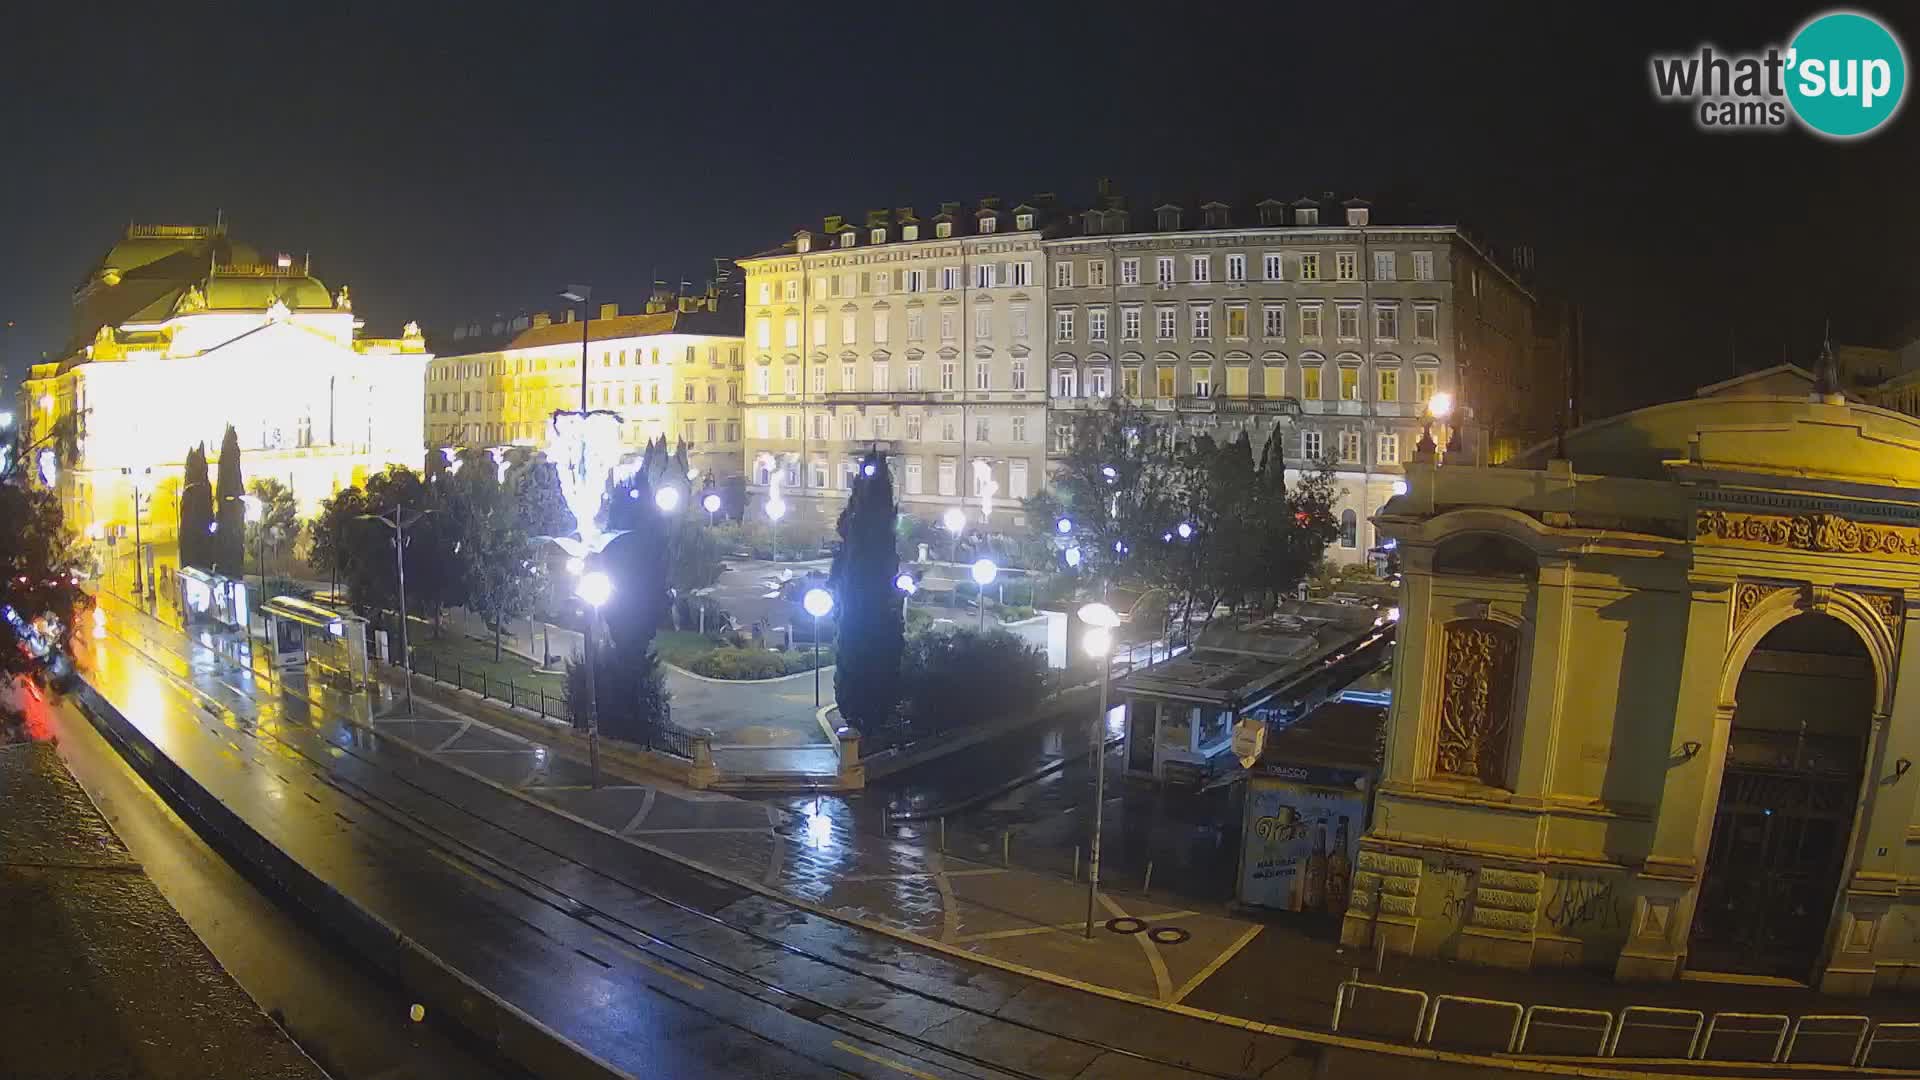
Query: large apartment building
[[1306, 321], [674, 369], [924, 338]]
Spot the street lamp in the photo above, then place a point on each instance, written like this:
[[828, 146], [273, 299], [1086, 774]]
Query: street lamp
[[398, 520], [818, 602], [1063, 526], [955, 519], [984, 571], [711, 504], [667, 498], [580, 294], [596, 588], [256, 514], [140, 479], [907, 587], [1073, 557], [1101, 620], [1185, 529]]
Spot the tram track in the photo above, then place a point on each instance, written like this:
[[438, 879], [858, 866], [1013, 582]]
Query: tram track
[[669, 957]]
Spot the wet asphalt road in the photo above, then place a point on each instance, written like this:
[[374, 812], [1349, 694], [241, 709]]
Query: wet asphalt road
[[658, 969]]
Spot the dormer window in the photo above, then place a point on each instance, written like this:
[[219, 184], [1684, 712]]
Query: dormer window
[[909, 232], [1216, 217], [846, 238], [1023, 222], [988, 224], [879, 236], [1169, 217], [1357, 216], [1273, 214], [943, 229], [1307, 215], [803, 243]]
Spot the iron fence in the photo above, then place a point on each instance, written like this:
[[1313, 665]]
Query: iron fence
[[533, 698]]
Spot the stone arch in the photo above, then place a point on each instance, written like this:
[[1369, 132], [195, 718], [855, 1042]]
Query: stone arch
[[1787, 601]]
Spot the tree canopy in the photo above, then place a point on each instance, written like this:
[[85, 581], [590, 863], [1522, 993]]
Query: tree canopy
[[866, 677], [229, 552]]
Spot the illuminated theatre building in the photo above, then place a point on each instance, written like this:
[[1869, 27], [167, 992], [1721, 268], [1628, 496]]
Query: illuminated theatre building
[[180, 331], [1651, 711]]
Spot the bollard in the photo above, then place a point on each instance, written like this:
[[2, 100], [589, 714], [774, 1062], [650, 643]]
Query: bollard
[[483, 684], [1006, 848], [1148, 887], [1076, 862], [943, 834]]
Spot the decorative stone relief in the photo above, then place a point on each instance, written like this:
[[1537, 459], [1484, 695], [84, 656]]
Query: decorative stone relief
[[1392, 882], [1748, 597], [1506, 900], [1888, 607], [1810, 532], [1476, 694]]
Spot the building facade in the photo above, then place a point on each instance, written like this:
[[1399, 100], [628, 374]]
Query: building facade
[[1304, 321], [180, 331], [923, 338], [673, 370], [1650, 709]]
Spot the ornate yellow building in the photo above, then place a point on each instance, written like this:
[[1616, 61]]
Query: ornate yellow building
[[180, 331], [1651, 711], [672, 370]]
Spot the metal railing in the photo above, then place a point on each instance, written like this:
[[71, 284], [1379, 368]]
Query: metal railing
[[1634, 1032], [663, 738]]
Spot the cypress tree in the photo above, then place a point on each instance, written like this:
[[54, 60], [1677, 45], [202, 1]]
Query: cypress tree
[[196, 511], [866, 677], [230, 540]]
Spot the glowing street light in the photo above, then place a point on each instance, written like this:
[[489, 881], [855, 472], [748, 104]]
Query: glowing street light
[[907, 587], [596, 588], [1063, 526], [711, 504], [1185, 529], [1073, 557], [667, 498], [955, 519], [1399, 487], [984, 571], [1440, 405], [1098, 642], [818, 602]]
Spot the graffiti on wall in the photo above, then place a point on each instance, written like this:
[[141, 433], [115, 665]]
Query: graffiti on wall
[[1586, 905]]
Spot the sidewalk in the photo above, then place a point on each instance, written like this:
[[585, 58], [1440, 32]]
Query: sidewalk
[[103, 977]]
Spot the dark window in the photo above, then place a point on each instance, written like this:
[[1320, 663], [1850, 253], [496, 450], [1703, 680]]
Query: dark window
[[1349, 529]]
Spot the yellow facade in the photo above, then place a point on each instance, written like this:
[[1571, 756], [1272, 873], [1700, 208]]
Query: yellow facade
[[183, 332], [667, 373]]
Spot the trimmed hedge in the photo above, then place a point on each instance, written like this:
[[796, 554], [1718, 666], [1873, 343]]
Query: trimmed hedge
[[731, 663]]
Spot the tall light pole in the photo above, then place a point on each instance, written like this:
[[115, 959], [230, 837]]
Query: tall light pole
[[710, 502], [818, 602], [257, 517], [398, 520], [907, 587], [955, 519], [580, 294], [984, 571], [1099, 642], [140, 480], [596, 588]]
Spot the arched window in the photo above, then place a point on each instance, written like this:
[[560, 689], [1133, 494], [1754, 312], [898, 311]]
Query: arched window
[[1349, 529]]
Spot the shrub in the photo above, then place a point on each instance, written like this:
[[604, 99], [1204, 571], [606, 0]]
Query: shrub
[[731, 663], [959, 676], [631, 698]]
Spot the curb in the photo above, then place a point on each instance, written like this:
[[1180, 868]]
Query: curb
[[824, 668], [494, 1021]]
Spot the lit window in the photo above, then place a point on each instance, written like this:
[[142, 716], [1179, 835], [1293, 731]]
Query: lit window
[[1389, 379], [1023, 221], [1310, 382], [1349, 383], [942, 229], [989, 224], [1237, 322], [1350, 447]]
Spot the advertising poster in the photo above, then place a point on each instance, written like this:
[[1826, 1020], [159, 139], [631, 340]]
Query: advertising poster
[[1299, 844]]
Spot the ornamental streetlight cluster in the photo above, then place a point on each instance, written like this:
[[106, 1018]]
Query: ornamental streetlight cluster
[[1100, 620]]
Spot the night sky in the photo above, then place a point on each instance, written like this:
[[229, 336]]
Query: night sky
[[450, 166]]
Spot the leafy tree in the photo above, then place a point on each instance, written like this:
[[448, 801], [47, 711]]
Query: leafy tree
[[535, 488], [866, 681], [1297, 525], [952, 677], [1116, 482], [364, 548], [196, 512], [640, 560], [230, 535], [329, 551], [40, 597], [279, 516], [696, 554], [494, 551]]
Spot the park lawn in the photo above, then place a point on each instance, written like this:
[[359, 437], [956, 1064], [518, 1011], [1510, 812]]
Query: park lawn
[[477, 656], [681, 647]]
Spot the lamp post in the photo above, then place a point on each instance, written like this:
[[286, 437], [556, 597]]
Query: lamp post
[[955, 519], [141, 479], [1099, 642], [256, 516], [398, 520], [818, 602], [907, 587], [984, 571], [710, 502], [595, 588], [580, 294]]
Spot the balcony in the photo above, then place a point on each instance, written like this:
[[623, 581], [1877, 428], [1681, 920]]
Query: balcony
[[880, 397], [1244, 405]]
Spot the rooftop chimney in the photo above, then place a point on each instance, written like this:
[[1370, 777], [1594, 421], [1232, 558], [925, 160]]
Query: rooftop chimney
[[541, 318], [609, 311], [569, 317]]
